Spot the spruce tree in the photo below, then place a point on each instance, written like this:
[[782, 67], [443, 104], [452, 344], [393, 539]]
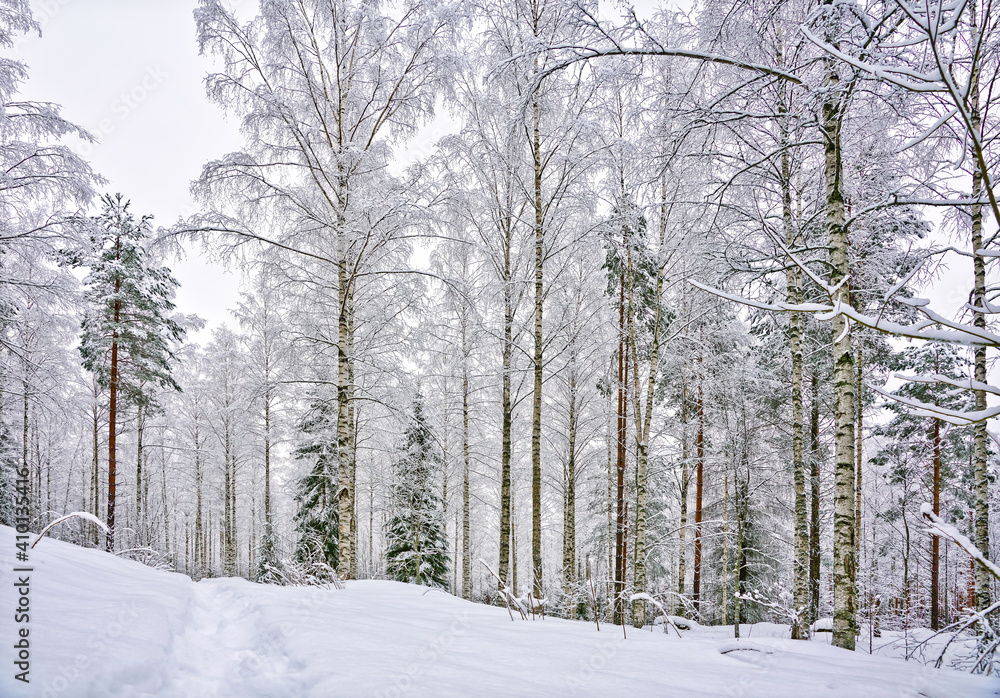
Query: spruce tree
[[269, 567], [317, 521], [127, 332], [417, 547], [8, 476]]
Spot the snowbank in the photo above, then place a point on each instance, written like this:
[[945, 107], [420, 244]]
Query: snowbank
[[101, 626]]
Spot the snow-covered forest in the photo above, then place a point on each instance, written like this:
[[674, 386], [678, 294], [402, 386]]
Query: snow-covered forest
[[688, 312]]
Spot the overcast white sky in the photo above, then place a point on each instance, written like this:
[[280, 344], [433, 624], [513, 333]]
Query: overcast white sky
[[129, 72]]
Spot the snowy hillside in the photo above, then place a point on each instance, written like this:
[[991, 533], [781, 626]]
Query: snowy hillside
[[106, 627]]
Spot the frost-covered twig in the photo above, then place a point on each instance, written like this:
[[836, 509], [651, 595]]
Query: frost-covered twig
[[643, 596], [509, 598], [73, 515]]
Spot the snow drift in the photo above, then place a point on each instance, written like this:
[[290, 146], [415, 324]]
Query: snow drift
[[102, 626]]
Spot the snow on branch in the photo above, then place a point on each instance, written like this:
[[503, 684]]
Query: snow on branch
[[586, 53], [928, 132], [779, 307], [956, 332], [938, 527], [896, 75], [926, 409], [957, 417], [968, 384], [643, 596], [77, 515]]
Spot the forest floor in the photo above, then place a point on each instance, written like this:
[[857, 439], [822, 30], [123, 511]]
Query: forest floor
[[102, 626]]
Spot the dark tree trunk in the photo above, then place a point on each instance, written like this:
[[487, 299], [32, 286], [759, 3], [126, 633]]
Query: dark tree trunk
[[619, 586], [814, 549], [699, 492], [113, 417]]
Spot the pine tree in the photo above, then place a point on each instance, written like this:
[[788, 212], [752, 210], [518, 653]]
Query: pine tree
[[317, 521], [127, 333], [630, 270], [417, 547]]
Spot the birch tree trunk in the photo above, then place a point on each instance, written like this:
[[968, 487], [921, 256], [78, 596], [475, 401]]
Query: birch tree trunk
[[536, 398], [814, 558], [345, 427], [466, 552], [513, 552], [138, 474], [267, 450], [980, 446], [844, 563], [507, 416], [230, 542], [569, 504], [95, 495], [612, 507], [25, 441], [199, 533], [935, 551], [685, 479], [163, 496], [859, 415], [800, 565]]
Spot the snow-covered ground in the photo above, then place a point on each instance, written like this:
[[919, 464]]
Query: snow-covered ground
[[101, 626]]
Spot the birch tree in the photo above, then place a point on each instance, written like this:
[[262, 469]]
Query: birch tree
[[323, 91]]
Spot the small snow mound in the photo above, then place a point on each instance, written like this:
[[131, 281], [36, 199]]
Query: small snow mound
[[823, 625], [742, 646], [749, 652], [683, 623]]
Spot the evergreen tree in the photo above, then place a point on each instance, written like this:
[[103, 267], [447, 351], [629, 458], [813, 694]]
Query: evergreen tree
[[8, 476], [923, 455], [317, 521], [126, 329], [417, 547], [269, 567]]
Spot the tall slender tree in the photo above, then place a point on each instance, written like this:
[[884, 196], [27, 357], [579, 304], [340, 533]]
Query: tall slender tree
[[127, 334]]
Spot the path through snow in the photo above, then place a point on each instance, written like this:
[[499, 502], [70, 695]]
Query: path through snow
[[223, 646]]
